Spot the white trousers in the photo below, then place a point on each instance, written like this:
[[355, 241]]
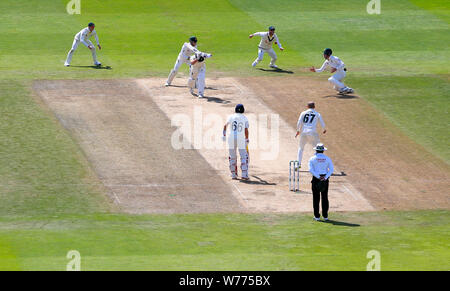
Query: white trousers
[[233, 162], [180, 60], [270, 52], [311, 138], [75, 45], [197, 78], [336, 80]]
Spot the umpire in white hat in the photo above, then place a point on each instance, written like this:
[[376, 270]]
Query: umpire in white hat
[[321, 168]]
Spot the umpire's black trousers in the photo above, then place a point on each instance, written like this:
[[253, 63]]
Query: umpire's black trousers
[[320, 188]]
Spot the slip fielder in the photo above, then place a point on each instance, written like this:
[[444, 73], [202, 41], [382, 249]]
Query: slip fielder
[[339, 70], [307, 129], [197, 71], [83, 36], [265, 46], [237, 140], [187, 50]]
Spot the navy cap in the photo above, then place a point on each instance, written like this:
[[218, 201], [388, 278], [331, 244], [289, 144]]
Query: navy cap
[[271, 27], [91, 24]]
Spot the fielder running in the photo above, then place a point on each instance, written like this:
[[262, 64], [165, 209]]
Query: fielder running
[[265, 46], [83, 36], [237, 140], [197, 72], [307, 129], [339, 70], [187, 50]]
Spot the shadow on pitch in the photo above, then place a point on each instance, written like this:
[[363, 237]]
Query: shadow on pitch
[[341, 174], [258, 181], [216, 100], [342, 96], [94, 67], [276, 71], [342, 223]]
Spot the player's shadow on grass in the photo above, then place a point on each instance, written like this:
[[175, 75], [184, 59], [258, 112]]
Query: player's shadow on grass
[[258, 181], [276, 71], [94, 67], [342, 223], [341, 96]]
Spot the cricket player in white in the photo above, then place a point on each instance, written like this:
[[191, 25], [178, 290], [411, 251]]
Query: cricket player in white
[[339, 70], [237, 140], [265, 46], [306, 128], [187, 50], [83, 36], [197, 72]]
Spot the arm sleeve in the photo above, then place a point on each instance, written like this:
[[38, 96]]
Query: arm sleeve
[[324, 65], [83, 40], [341, 64], [278, 41], [228, 120], [312, 170], [258, 34], [96, 38], [330, 168], [191, 48], [321, 121], [299, 122]]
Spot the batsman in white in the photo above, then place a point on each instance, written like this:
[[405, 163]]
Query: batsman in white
[[339, 70], [187, 50], [265, 46], [237, 140], [197, 72], [83, 36], [307, 129]]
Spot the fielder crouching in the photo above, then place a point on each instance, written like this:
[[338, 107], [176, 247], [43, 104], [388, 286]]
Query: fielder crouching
[[321, 168], [337, 68], [197, 72], [83, 37], [237, 140]]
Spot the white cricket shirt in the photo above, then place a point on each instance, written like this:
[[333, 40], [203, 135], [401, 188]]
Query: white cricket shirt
[[333, 62], [267, 40], [307, 122], [86, 34], [237, 123], [188, 50], [320, 164]]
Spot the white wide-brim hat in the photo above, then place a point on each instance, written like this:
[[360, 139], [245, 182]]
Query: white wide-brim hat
[[320, 147]]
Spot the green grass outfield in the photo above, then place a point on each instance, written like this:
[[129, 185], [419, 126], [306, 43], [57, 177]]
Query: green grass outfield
[[398, 61], [405, 240]]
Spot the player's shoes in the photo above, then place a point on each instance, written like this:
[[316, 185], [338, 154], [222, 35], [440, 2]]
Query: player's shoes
[[201, 96], [317, 218], [245, 178], [349, 90], [166, 84], [343, 90], [298, 168], [192, 92], [254, 64], [66, 65], [273, 66], [325, 219], [98, 64]]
